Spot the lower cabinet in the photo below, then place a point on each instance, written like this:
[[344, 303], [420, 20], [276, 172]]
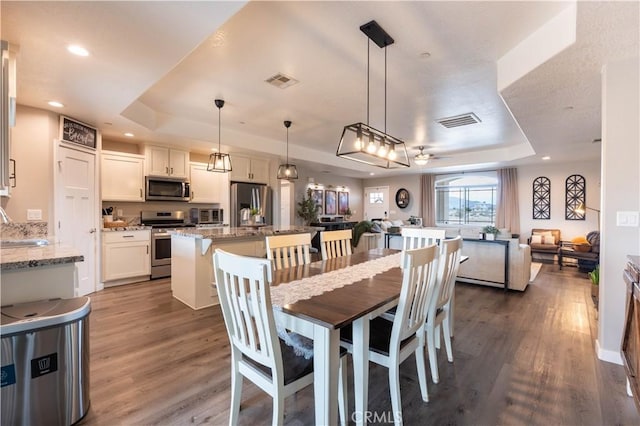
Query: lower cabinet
[[126, 256]]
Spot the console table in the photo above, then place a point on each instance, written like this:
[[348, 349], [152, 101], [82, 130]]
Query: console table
[[482, 254], [329, 226]]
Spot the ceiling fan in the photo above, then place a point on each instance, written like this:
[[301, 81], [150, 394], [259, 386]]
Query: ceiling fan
[[423, 157]]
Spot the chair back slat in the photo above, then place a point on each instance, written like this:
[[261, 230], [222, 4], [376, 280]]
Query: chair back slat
[[245, 299], [413, 238], [418, 287], [286, 251], [335, 243], [448, 270]]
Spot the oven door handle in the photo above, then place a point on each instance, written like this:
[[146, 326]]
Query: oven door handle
[[162, 234]]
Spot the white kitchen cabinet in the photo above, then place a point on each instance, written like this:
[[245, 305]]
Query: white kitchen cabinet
[[163, 161], [245, 169], [122, 176], [208, 187], [126, 256]]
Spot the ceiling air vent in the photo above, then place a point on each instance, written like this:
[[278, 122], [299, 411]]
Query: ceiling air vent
[[459, 120], [281, 81]]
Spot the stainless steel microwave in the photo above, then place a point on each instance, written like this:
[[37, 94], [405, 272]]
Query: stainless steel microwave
[[211, 216], [167, 189]]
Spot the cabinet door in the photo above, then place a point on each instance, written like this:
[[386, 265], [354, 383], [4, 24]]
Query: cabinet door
[[125, 260], [240, 169], [122, 177], [157, 160], [178, 163], [203, 184], [259, 170]]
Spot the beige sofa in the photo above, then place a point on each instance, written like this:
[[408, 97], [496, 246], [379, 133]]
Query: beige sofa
[[486, 263]]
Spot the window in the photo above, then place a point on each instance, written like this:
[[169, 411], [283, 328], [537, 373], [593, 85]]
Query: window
[[376, 197], [466, 199]]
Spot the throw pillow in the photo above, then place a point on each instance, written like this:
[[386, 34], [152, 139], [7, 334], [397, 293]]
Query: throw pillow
[[549, 240], [536, 239]]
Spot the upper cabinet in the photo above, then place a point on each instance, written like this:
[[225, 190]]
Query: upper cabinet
[[246, 169], [122, 176], [208, 187], [163, 161]]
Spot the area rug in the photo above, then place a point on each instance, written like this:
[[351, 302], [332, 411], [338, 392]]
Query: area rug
[[535, 269]]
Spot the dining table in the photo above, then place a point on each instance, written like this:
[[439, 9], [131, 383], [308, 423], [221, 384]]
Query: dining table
[[321, 315]]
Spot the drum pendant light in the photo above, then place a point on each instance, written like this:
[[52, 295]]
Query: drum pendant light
[[287, 171], [219, 161], [359, 141]]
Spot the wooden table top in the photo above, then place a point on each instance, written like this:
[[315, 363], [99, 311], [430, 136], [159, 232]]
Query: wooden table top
[[339, 307]]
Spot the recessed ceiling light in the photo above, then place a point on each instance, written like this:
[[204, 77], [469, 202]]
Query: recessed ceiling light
[[77, 50], [568, 107], [129, 134], [214, 149], [546, 157], [425, 55], [371, 174], [55, 104]]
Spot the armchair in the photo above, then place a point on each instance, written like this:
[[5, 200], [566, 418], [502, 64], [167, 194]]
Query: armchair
[[546, 241]]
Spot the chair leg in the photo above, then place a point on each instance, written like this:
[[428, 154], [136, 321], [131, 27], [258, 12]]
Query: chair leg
[[394, 388], [342, 393], [236, 393], [433, 359], [447, 336], [278, 408], [436, 336], [422, 372]]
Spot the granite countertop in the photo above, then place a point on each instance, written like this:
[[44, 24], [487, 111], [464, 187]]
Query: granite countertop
[[127, 228], [31, 257], [242, 232]]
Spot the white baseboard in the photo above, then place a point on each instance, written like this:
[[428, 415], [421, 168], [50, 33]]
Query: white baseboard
[[607, 355]]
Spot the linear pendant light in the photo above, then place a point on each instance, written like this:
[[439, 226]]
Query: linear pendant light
[[361, 142], [287, 171], [218, 161]]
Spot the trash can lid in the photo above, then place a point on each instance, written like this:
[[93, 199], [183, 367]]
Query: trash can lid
[[26, 317]]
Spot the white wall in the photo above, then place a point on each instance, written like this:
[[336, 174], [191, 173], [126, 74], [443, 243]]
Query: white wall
[[409, 182], [620, 192], [32, 148], [558, 174]]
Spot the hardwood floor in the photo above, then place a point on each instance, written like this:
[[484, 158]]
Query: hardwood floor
[[519, 358]]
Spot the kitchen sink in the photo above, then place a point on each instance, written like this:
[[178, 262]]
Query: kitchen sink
[[34, 242]]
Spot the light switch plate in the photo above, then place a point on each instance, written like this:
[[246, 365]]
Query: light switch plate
[[34, 214], [627, 218]]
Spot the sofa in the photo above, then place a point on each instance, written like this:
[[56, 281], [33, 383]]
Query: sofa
[[486, 263], [545, 241]]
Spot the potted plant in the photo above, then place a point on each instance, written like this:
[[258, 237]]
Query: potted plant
[[308, 209], [594, 276], [255, 215], [490, 232]]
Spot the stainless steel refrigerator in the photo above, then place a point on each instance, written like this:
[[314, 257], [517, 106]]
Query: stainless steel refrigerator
[[248, 196]]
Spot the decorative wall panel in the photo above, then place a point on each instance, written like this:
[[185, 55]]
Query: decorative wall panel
[[575, 193], [542, 198]]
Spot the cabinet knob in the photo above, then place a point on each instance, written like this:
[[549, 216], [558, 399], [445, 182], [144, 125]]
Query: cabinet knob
[[171, 171], [92, 230], [167, 169], [140, 192]]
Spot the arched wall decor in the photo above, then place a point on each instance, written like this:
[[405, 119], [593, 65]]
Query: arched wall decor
[[542, 198], [575, 193]]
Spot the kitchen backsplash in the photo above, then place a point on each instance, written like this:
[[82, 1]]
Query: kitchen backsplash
[[23, 230], [131, 211]]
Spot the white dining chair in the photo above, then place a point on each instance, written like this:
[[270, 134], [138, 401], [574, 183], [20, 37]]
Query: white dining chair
[[285, 251], [335, 243], [440, 312], [256, 351], [391, 342], [413, 238]]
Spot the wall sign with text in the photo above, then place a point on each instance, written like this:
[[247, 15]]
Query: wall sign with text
[[77, 132]]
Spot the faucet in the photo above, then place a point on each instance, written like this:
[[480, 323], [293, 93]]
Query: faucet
[[4, 218]]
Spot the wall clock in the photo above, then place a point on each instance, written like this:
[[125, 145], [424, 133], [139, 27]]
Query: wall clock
[[402, 198]]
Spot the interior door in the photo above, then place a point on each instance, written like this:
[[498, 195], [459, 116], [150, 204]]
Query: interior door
[[76, 214], [376, 202]]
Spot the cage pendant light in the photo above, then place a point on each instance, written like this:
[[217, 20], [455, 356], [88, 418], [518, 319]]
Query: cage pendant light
[[218, 161], [287, 171], [361, 142]]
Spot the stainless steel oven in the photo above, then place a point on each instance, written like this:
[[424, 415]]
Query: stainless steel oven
[[161, 224]]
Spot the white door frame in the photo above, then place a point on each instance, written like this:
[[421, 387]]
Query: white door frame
[[95, 222]]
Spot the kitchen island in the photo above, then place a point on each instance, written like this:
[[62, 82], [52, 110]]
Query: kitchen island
[[192, 278], [38, 272]]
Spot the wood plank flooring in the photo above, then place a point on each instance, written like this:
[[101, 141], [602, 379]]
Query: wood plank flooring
[[519, 359]]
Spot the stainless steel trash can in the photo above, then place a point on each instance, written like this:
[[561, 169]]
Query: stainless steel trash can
[[45, 362]]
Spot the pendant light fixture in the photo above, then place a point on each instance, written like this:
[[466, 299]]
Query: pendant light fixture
[[363, 143], [287, 171], [219, 161]]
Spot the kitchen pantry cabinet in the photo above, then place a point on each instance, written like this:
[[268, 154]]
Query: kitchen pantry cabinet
[[126, 255], [163, 161], [122, 177], [208, 187], [246, 169]]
